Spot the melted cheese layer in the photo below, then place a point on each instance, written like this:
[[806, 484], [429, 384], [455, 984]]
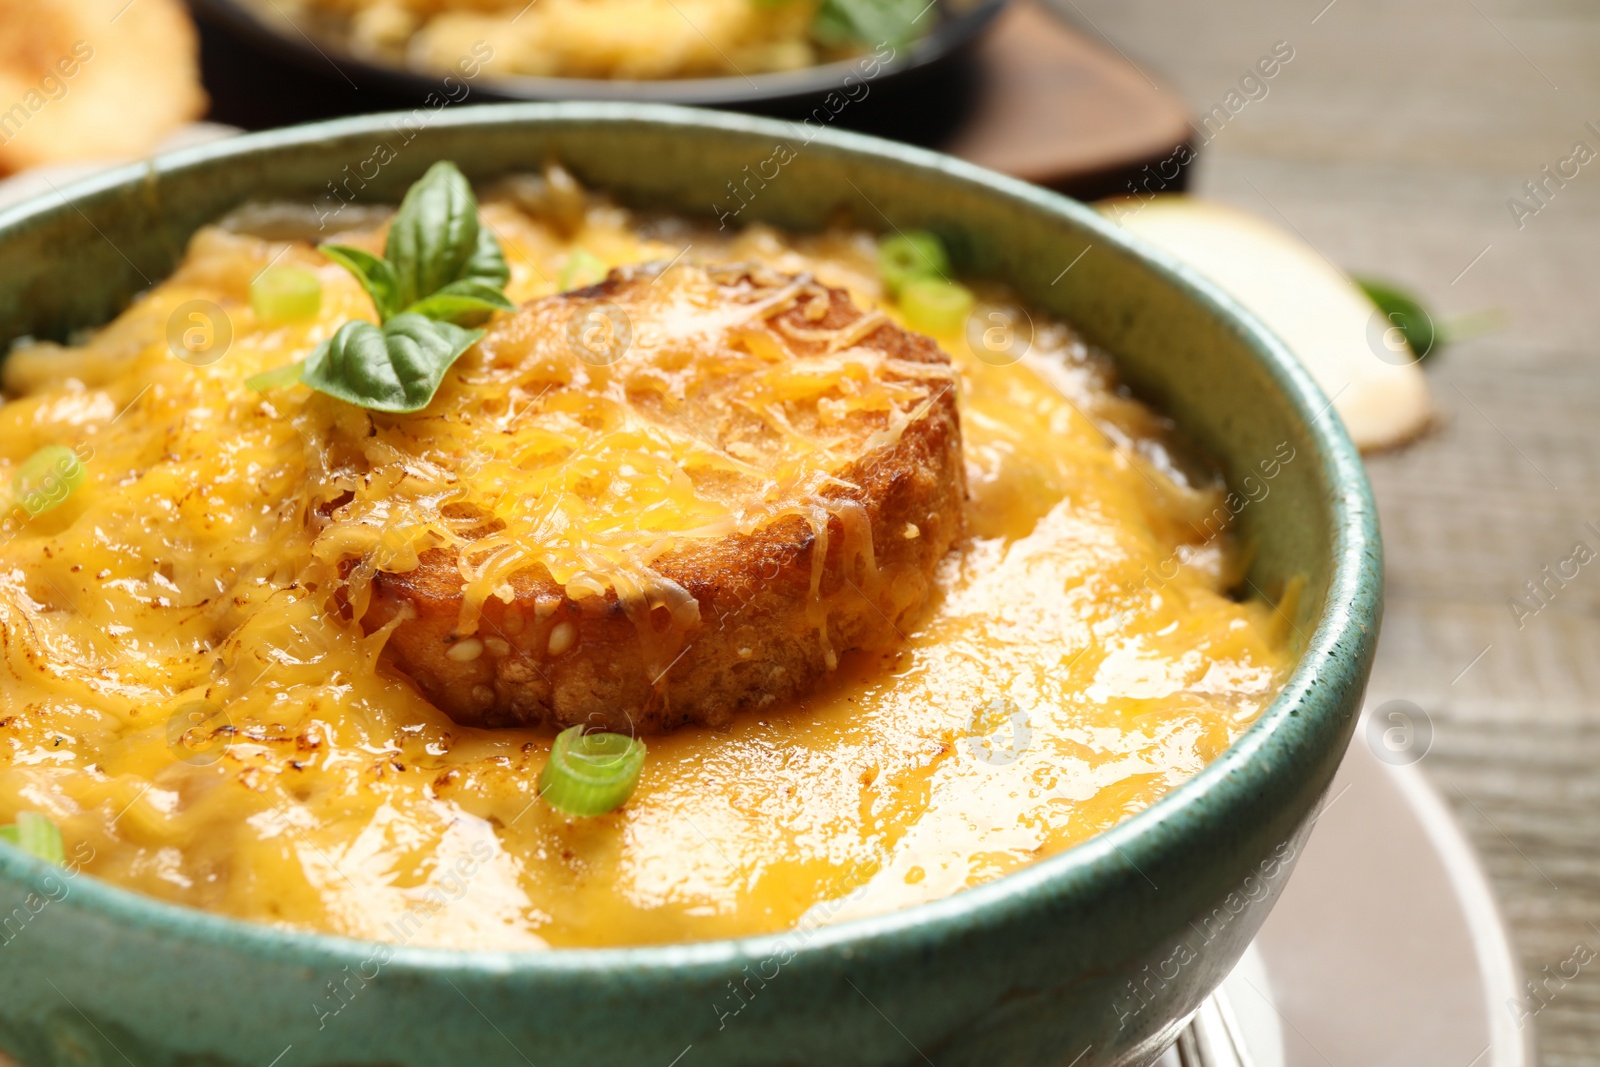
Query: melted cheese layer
[[183, 699]]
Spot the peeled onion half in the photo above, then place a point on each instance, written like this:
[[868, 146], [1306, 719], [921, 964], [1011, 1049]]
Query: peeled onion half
[[1354, 353]]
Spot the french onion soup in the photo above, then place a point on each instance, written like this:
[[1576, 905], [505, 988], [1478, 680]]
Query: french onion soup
[[539, 573]]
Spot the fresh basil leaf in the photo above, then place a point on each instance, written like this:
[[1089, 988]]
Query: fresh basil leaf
[[869, 22], [1405, 312], [376, 276], [440, 271], [396, 368], [434, 234], [488, 262], [465, 303]]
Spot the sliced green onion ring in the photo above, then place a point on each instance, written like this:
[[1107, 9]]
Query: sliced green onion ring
[[36, 835], [591, 774], [285, 294], [46, 478], [934, 306], [288, 374], [908, 255]]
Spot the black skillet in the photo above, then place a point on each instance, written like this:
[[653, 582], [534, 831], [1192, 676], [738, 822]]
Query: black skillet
[[266, 72]]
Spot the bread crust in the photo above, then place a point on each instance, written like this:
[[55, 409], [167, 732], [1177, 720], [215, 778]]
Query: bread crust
[[94, 79], [765, 632]]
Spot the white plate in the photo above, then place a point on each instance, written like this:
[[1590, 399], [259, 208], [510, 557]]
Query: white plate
[[1386, 949]]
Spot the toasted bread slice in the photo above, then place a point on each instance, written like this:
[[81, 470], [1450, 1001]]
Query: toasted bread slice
[[831, 441], [94, 79]]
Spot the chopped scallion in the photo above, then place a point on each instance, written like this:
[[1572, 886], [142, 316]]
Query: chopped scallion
[[275, 378], [583, 268], [935, 306], [285, 294], [46, 478], [591, 774], [36, 835], [908, 255]]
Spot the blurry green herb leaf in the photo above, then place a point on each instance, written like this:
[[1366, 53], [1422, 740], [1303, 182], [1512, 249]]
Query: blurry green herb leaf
[[275, 378], [1405, 313], [868, 22], [1469, 325]]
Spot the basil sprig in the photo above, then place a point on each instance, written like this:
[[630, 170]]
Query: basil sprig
[[441, 272], [395, 368]]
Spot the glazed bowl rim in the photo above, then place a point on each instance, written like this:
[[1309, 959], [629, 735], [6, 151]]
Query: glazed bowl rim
[[1351, 607]]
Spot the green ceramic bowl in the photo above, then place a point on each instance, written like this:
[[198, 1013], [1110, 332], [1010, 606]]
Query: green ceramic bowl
[[1089, 958]]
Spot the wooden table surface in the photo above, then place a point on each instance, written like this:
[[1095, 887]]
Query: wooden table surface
[[1393, 141]]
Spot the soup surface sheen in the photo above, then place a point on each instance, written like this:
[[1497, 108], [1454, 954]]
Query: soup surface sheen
[[206, 729]]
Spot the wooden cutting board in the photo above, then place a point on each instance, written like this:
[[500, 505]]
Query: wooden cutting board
[[1057, 108]]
